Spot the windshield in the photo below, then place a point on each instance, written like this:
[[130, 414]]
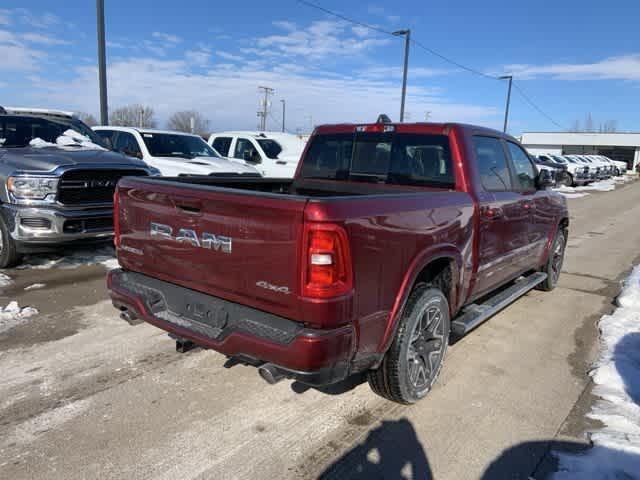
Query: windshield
[[175, 145], [18, 131], [271, 148], [559, 159]]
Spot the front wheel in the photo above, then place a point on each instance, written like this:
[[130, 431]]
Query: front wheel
[[412, 364], [9, 256], [553, 267]]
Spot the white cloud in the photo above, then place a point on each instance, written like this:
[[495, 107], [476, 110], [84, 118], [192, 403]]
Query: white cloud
[[4, 17], [36, 19], [154, 48], [43, 39], [382, 72], [321, 39], [15, 55], [200, 57], [167, 37], [229, 96], [626, 67], [230, 56]]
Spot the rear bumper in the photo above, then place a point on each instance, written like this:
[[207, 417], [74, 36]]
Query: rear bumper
[[312, 356]]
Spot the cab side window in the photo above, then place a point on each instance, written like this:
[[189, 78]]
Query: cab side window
[[126, 143], [244, 147], [492, 164], [524, 170], [222, 145]]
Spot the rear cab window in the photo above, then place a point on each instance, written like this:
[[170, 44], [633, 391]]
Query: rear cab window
[[390, 158], [222, 145]]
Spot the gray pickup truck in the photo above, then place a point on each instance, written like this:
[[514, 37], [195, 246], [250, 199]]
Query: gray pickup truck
[[56, 182]]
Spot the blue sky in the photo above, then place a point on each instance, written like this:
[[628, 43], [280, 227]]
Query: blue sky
[[571, 57]]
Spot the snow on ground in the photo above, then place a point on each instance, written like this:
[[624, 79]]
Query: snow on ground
[[5, 280], [601, 186], [35, 286], [616, 446], [69, 139], [12, 315], [102, 255]]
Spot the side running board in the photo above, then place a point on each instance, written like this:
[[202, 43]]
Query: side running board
[[474, 314]]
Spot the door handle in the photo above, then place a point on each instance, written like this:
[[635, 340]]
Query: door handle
[[187, 205]]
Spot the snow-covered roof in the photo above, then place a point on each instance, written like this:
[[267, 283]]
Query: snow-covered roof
[[144, 130], [39, 111]]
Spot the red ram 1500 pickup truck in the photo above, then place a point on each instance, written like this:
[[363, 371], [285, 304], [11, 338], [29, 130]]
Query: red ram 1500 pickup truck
[[390, 239]]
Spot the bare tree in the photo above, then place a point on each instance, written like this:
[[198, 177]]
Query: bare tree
[[576, 126], [189, 121], [607, 127], [133, 116], [87, 118]]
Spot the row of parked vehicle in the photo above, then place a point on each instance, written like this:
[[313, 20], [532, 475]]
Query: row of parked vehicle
[[60, 174], [576, 170]]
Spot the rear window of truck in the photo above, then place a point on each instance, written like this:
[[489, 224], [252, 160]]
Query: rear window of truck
[[392, 158]]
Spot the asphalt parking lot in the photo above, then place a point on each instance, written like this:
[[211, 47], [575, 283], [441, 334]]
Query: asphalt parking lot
[[84, 395]]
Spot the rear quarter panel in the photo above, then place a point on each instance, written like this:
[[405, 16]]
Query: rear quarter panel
[[392, 237]]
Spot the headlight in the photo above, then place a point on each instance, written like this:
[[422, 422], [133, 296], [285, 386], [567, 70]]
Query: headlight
[[33, 188]]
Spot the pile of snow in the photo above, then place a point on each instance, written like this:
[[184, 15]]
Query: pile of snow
[[12, 315], [601, 186], [70, 140], [5, 280], [35, 286], [2, 140], [104, 255], [616, 446]]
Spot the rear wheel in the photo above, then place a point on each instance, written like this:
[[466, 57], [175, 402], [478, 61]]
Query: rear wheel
[[412, 364], [553, 267], [9, 256]]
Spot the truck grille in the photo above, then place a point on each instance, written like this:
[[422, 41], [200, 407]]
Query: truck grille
[[79, 187]]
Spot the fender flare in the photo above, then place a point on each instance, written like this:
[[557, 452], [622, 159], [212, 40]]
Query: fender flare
[[420, 261]]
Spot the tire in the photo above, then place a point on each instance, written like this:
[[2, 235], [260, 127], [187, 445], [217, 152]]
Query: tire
[[412, 364], [553, 267], [570, 180], [9, 256]]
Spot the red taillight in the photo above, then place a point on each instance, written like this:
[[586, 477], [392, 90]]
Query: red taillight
[[326, 269], [116, 219]]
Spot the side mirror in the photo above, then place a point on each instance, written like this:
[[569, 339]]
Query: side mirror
[[544, 180], [130, 153]]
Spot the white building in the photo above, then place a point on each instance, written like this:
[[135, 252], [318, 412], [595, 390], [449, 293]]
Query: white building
[[617, 146]]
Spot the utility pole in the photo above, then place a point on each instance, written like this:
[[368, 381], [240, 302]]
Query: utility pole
[[506, 110], [102, 64], [283, 113], [265, 107], [407, 40]]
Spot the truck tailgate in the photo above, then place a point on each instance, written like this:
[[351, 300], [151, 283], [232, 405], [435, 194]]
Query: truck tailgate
[[241, 246]]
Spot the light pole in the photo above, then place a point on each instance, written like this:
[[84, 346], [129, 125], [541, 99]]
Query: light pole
[[506, 110], [283, 113], [407, 41], [102, 64]]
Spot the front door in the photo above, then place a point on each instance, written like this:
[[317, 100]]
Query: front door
[[503, 234]]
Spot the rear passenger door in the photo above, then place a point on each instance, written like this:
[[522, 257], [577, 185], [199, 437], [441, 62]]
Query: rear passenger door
[[503, 235]]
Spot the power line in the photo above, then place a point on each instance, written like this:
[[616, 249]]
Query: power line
[[536, 107], [432, 52], [387, 32]]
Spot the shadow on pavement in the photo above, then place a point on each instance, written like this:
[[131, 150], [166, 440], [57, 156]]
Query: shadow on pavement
[[335, 389], [390, 451], [627, 360]]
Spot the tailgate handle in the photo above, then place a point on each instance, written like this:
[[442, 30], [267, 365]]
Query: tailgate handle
[[188, 205]]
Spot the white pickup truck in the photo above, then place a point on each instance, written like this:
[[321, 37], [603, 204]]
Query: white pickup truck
[[275, 155], [172, 153]]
